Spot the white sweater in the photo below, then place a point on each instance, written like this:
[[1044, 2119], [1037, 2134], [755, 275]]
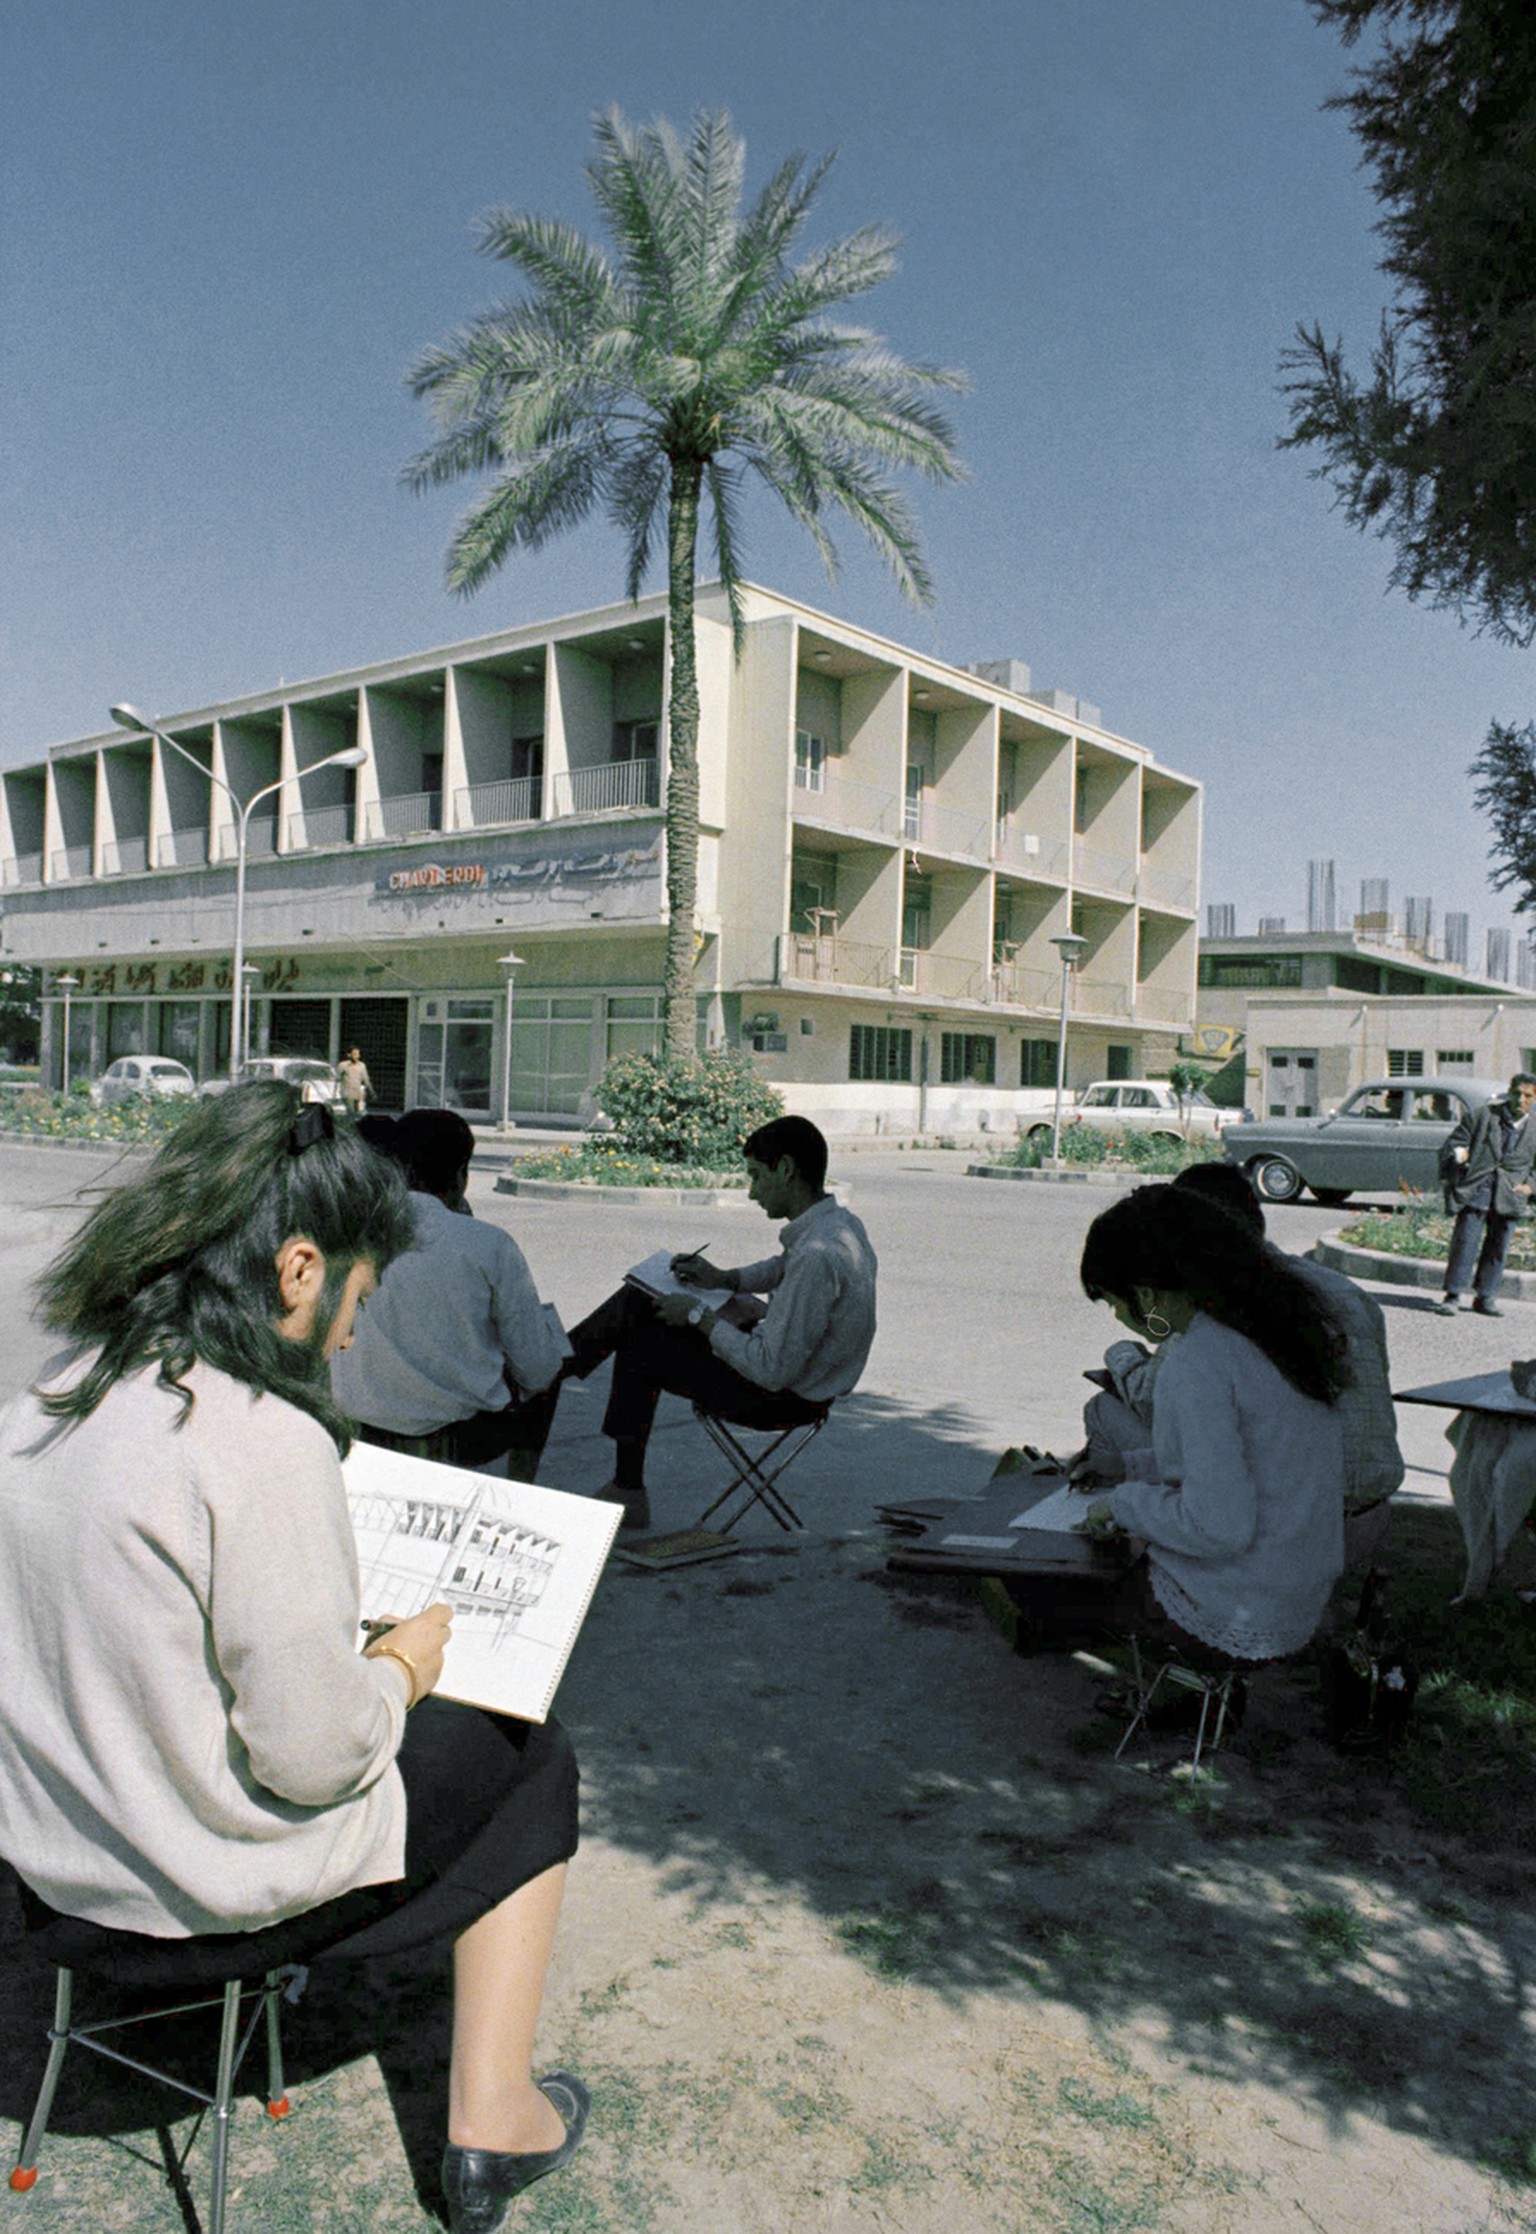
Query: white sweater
[[189, 1739], [1245, 1525]]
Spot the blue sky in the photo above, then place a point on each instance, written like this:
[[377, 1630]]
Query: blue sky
[[225, 231]]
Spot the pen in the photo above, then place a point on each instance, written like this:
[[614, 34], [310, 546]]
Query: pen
[[376, 1628]]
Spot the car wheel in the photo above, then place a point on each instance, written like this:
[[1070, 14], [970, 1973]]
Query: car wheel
[[1039, 1136], [1331, 1197], [1168, 1140], [1275, 1179]]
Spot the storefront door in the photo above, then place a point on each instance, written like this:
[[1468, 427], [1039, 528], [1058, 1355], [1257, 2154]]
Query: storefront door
[[453, 1055]]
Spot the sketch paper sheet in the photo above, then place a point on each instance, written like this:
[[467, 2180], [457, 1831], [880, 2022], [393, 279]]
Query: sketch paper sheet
[[517, 1563], [1064, 1510], [654, 1276]]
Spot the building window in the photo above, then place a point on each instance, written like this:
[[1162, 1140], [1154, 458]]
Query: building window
[[528, 759], [634, 1024], [810, 761], [878, 1052], [1037, 1062], [1277, 970], [1454, 1058], [1405, 1062], [967, 1059], [635, 740]]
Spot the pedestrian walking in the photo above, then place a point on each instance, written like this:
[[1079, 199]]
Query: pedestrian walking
[[356, 1085], [1486, 1170]]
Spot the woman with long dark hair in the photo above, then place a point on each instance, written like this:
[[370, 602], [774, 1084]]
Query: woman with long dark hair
[[1239, 1499], [191, 1744]]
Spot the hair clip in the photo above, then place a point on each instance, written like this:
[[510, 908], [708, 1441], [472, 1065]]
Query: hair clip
[[314, 1122]]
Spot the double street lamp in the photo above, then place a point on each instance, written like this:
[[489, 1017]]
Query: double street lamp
[[353, 756]]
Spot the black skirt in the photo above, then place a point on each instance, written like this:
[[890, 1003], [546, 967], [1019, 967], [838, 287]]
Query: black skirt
[[491, 1803]]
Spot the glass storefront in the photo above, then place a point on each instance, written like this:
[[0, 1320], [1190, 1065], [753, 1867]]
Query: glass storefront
[[551, 1051], [453, 1055]]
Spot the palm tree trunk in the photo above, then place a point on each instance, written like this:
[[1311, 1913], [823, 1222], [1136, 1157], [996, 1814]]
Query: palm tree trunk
[[677, 996]]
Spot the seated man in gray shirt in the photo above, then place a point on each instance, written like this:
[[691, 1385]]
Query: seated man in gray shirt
[[771, 1368], [455, 1357]]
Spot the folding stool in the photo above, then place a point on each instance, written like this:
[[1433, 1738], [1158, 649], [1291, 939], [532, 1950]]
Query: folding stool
[[758, 1476]]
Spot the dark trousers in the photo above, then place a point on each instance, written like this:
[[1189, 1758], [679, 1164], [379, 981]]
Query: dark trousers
[[649, 1356], [519, 1430], [1481, 1237]]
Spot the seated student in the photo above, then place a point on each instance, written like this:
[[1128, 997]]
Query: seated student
[[809, 1346], [192, 1746], [1373, 1463], [455, 1357]]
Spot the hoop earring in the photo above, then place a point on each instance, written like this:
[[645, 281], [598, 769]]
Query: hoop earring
[[1157, 1326]]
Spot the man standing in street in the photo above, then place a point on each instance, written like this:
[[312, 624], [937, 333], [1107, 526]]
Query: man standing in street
[[1486, 1169], [356, 1085]]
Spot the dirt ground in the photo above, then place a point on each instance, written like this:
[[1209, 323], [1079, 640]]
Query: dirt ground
[[870, 1931]]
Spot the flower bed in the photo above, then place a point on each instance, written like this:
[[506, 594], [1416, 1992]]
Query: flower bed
[[1427, 1233], [595, 1165], [47, 1116]]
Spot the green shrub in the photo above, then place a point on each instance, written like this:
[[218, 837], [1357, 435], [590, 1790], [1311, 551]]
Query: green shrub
[[37, 1113], [696, 1113], [1086, 1145], [1421, 1231], [599, 1163]]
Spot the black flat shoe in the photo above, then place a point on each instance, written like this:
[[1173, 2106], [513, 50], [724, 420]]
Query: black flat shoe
[[480, 2183], [1487, 1310]]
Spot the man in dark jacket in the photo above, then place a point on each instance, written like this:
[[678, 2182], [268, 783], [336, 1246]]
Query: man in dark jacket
[[1486, 1169]]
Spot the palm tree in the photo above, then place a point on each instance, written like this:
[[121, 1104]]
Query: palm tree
[[645, 380]]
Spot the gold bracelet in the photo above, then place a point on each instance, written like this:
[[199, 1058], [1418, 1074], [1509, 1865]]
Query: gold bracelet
[[393, 1652]]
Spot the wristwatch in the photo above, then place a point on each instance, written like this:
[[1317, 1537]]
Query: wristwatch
[[696, 1315]]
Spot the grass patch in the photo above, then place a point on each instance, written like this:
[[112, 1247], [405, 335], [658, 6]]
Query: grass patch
[[594, 1165], [1121, 2110], [1086, 1145], [1332, 1934], [1089, 2208], [893, 1942], [1418, 1230]]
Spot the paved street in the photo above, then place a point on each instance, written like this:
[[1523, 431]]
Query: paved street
[[984, 1332]]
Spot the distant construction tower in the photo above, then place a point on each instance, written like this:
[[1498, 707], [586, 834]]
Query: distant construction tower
[[1322, 906], [1419, 921], [1498, 955], [1271, 926], [1456, 940], [1221, 920]]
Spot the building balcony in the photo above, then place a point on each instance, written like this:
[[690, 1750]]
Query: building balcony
[[481, 804], [945, 829], [1164, 1007], [181, 849], [412, 814], [611, 784], [124, 857], [26, 868], [1166, 888], [69, 863], [1028, 851], [1098, 996], [843, 803], [1103, 868], [260, 839], [807, 958]]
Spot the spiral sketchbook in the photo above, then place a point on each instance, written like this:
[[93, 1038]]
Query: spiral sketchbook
[[517, 1563]]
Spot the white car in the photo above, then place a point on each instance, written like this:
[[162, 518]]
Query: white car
[[1143, 1105], [132, 1075], [316, 1080]]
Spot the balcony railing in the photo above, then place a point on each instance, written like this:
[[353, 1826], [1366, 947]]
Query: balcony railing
[[70, 862], [26, 868], [1165, 888], [319, 826], [1101, 867], [946, 829], [516, 800], [847, 804], [260, 838], [1020, 985], [1162, 1006], [414, 814], [610, 784], [1019, 848], [122, 857], [1099, 996], [181, 849], [807, 958]]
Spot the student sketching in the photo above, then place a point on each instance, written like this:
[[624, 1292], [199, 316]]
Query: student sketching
[[759, 1368], [1119, 1422], [192, 1746], [1240, 1500], [455, 1358]]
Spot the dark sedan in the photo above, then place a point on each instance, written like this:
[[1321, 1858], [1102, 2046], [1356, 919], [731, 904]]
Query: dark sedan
[[1386, 1137]]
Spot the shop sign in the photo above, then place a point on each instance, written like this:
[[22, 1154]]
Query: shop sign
[[540, 869], [106, 980]]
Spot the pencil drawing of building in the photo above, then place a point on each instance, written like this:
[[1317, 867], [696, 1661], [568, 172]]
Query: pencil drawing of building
[[491, 1568]]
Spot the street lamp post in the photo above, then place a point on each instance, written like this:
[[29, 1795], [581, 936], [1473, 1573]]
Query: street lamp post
[[353, 756], [511, 963], [66, 985], [1069, 945]]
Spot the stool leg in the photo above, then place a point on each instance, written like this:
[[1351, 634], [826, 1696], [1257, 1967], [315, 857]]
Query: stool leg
[[278, 2104], [25, 2174], [229, 2032]]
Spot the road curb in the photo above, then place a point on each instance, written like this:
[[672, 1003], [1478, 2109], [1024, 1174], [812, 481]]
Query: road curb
[[1407, 1272], [1084, 1177], [570, 1190], [85, 1147]]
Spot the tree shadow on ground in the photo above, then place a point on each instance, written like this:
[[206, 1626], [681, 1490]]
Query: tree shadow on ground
[[800, 1723]]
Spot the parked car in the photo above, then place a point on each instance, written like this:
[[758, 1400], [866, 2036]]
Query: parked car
[[1142, 1105], [131, 1075], [316, 1081], [1386, 1136]]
